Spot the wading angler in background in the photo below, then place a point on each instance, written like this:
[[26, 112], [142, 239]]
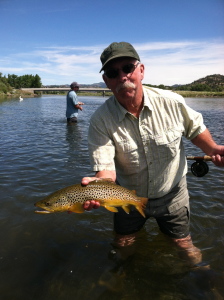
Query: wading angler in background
[[135, 138], [73, 105]]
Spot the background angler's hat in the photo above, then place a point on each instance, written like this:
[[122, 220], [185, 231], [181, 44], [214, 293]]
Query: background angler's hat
[[116, 50], [73, 84]]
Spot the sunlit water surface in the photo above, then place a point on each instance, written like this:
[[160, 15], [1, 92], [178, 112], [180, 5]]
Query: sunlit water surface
[[65, 256]]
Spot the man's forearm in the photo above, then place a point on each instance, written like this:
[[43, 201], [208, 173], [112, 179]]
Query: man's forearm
[[205, 142]]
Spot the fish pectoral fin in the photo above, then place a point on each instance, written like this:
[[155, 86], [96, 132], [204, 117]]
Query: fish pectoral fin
[[111, 208], [77, 208], [126, 208]]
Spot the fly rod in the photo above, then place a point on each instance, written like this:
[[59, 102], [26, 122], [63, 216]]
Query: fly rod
[[199, 168], [205, 158]]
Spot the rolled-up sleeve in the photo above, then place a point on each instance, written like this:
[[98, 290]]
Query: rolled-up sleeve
[[193, 122]]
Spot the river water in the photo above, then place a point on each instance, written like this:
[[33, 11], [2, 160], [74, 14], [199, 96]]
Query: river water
[[65, 256]]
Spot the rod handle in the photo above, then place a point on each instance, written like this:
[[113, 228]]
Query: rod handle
[[205, 157]]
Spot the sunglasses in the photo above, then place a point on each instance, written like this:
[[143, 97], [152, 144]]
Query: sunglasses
[[113, 73]]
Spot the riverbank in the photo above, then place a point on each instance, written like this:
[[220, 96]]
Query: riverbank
[[17, 94], [201, 94], [186, 94]]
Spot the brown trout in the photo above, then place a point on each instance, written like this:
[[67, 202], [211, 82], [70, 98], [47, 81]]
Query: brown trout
[[109, 194]]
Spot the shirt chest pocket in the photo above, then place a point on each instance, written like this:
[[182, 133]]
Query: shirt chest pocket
[[168, 144], [127, 155]]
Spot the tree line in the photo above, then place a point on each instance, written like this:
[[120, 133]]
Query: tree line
[[199, 87], [7, 84], [211, 83]]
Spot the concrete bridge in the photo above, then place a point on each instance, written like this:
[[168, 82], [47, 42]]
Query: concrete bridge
[[32, 90]]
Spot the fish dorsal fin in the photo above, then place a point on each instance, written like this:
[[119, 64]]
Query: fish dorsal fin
[[133, 191]]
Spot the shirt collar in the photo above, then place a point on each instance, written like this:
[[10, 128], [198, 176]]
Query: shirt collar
[[147, 101], [121, 110]]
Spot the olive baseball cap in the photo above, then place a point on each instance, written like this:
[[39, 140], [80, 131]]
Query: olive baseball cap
[[116, 50]]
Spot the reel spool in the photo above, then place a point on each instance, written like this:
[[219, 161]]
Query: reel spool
[[199, 168]]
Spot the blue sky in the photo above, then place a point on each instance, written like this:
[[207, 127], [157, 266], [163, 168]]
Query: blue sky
[[179, 41]]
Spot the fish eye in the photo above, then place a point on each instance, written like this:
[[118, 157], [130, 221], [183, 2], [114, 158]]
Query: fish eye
[[47, 204]]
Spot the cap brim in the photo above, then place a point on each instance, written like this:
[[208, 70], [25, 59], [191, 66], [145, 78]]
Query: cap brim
[[114, 57]]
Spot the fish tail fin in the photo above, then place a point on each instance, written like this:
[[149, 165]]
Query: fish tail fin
[[142, 205], [144, 201]]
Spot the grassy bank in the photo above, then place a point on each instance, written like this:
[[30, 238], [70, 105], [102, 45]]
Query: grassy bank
[[194, 94], [16, 94], [186, 94]]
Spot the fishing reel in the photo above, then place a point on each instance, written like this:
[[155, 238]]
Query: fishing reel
[[199, 168]]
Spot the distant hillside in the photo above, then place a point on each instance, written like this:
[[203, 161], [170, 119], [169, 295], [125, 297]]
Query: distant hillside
[[96, 85], [209, 83]]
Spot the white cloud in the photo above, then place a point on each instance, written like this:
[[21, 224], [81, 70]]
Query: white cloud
[[165, 62]]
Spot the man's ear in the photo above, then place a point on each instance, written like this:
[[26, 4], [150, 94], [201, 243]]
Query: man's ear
[[142, 68]]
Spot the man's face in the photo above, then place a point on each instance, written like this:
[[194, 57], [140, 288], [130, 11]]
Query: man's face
[[126, 74]]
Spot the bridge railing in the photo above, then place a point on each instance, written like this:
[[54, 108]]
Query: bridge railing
[[65, 89]]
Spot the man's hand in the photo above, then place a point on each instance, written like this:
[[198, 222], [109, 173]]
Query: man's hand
[[92, 204], [89, 205], [218, 160], [205, 142]]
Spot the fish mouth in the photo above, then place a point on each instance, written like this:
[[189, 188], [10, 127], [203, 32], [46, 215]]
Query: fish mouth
[[42, 211]]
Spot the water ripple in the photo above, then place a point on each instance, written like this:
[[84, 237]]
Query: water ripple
[[58, 256]]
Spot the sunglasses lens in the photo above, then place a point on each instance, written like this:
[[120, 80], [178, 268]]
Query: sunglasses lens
[[128, 68], [112, 73]]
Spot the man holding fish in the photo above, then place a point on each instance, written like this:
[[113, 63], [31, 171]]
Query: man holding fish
[[135, 139]]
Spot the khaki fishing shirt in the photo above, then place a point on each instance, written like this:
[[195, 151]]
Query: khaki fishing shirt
[[146, 152]]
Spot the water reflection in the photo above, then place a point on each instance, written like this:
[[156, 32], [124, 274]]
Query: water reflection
[[60, 256], [77, 152]]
